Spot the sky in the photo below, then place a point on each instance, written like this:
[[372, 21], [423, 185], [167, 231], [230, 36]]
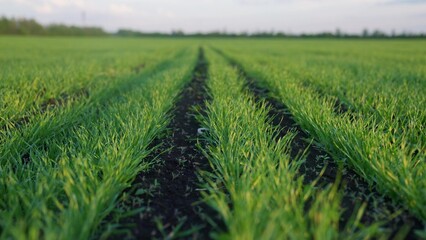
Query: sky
[[290, 16]]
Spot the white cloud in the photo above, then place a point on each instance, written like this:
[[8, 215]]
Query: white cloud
[[44, 8], [119, 9], [67, 3], [165, 13], [60, 3]]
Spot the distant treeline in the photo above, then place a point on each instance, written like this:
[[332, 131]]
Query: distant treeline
[[337, 34], [22, 26]]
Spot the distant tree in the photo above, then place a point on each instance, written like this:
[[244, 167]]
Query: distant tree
[[20, 26], [338, 33], [178, 33], [128, 33], [378, 34], [365, 33], [4, 25], [64, 30]]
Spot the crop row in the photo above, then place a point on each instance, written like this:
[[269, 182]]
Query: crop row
[[61, 176]]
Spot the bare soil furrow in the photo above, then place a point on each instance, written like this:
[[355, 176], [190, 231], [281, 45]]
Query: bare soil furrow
[[172, 197]]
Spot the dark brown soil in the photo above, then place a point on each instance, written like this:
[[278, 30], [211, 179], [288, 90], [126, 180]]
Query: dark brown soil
[[48, 104], [173, 197], [356, 190], [339, 106], [138, 68], [63, 99]]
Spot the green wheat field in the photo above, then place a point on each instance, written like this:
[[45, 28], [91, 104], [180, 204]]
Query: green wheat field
[[85, 124]]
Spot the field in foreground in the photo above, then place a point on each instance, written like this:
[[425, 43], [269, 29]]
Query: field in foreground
[[194, 138]]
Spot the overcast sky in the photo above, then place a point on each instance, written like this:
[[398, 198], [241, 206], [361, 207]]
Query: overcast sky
[[292, 16]]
